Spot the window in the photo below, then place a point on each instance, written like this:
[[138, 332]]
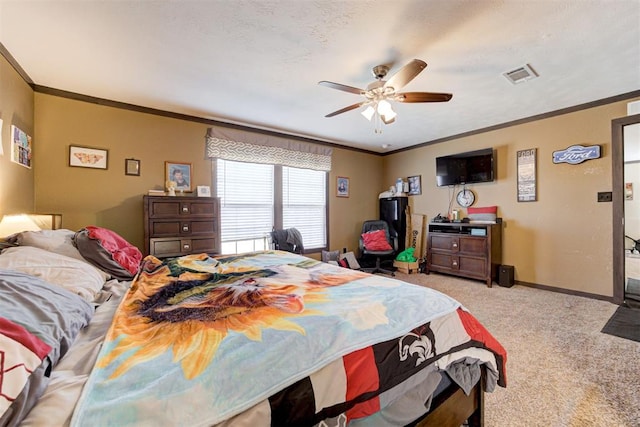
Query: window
[[304, 204], [256, 198]]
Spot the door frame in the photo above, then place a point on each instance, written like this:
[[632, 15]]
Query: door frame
[[617, 168]]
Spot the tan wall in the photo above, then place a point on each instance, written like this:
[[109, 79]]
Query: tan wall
[[348, 214], [111, 199], [16, 108], [562, 240]]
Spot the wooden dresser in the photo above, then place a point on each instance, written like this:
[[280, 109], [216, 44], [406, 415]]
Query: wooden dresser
[[465, 249], [176, 226]]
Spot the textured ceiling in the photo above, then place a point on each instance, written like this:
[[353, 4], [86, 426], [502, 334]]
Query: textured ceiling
[[257, 63]]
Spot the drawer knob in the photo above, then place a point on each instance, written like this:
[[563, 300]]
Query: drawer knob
[[185, 228], [185, 209], [455, 263], [455, 245], [186, 246]]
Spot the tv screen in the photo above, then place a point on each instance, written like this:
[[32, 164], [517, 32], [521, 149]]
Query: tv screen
[[465, 168]]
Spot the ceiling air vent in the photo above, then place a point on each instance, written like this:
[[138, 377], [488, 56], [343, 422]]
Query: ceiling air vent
[[521, 74]]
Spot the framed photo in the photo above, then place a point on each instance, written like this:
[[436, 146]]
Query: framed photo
[[132, 167], [203, 191], [180, 173], [87, 157], [527, 175], [342, 186], [415, 185], [628, 190], [20, 147]]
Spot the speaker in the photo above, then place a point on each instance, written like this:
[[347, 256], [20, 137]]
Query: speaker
[[505, 276]]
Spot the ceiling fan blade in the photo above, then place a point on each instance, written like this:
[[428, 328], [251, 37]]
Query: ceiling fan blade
[[345, 109], [405, 74], [423, 97], [342, 87]]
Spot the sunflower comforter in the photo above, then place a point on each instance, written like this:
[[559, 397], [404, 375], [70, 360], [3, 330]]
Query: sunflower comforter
[[199, 340]]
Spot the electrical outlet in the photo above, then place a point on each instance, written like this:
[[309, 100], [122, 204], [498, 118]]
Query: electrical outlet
[[605, 196]]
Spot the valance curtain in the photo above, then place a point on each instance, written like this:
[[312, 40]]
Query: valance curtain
[[243, 146]]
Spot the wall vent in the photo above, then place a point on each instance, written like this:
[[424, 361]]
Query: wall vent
[[520, 74]]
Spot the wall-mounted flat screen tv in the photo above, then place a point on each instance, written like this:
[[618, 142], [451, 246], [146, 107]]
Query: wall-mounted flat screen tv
[[466, 168]]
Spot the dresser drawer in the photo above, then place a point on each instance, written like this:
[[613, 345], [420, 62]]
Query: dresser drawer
[[176, 207], [167, 247], [445, 242], [169, 227]]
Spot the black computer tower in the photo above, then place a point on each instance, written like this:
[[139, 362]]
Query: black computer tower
[[392, 210]]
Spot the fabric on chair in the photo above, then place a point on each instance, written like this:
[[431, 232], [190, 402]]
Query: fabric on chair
[[289, 240], [376, 241], [373, 230]]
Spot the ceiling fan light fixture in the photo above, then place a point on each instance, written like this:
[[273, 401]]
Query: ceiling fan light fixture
[[388, 119], [384, 107], [368, 112]]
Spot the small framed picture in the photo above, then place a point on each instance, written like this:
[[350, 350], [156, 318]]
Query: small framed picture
[[180, 173], [132, 167], [203, 191], [88, 157], [415, 185], [342, 186], [20, 147]]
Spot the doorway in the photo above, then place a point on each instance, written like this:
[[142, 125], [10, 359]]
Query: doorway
[[626, 209]]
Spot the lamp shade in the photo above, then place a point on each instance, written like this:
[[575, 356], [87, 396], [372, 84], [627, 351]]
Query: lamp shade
[[12, 224]]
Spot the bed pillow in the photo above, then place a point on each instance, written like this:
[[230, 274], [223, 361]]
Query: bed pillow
[[76, 276], [38, 324], [58, 241], [108, 251], [376, 241]]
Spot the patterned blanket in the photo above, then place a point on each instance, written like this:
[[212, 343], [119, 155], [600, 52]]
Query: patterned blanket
[[198, 340]]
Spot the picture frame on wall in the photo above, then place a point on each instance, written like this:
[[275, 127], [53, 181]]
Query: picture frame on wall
[[132, 167], [20, 147], [342, 186], [527, 175], [180, 173], [415, 185], [88, 157]]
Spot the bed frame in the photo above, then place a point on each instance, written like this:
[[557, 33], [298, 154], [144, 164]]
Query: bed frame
[[453, 408]]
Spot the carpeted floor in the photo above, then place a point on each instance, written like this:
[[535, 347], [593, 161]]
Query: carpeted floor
[[561, 369]]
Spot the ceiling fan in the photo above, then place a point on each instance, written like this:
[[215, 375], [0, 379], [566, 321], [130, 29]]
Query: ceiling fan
[[379, 93]]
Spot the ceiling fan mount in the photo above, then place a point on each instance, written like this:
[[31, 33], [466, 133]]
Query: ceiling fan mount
[[380, 71], [380, 92]]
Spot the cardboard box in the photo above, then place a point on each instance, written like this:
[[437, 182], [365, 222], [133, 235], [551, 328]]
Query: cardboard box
[[406, 267]]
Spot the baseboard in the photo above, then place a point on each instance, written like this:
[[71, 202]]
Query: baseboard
[[565, 291]]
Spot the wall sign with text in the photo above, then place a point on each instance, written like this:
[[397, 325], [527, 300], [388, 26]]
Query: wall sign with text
[[527, 175], [576, 154]]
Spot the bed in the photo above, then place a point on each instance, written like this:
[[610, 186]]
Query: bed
[[270, 338]]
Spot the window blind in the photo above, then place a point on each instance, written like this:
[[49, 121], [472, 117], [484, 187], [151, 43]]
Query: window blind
[[304, 204], [246, 192]]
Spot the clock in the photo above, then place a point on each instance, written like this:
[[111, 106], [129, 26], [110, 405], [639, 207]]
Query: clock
[[466, 198]]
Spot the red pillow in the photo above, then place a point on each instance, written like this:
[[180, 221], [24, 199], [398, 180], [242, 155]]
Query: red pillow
[[376, 241]]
